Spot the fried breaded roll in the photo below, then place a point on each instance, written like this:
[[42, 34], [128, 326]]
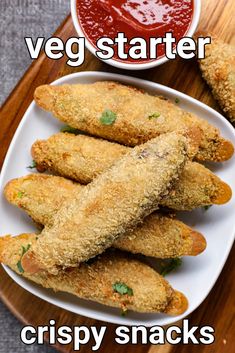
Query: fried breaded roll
[[112, 279], [197, 187], [116, 201], [218, 69], [129, 116], [42, 196], [83, 158]]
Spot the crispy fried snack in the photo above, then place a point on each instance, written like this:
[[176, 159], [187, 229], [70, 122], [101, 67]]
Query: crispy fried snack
[[96, 281], [218, 69], [197, 187], [83, 158], [116, 201], [129, 116], [41, 196]]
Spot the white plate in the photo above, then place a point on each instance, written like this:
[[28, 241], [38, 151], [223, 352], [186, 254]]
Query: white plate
[[195, 277]]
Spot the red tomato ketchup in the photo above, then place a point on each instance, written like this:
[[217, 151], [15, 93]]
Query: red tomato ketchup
[[135, 18]]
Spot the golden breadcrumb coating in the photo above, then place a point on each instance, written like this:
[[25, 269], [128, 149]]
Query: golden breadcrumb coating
[[116, 201], [41, 196], [83, 158], [197, 187], [94, 281], [135, 116], [218, 69]]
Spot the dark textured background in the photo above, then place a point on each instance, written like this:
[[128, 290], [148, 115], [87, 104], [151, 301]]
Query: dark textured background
[[20, 18]]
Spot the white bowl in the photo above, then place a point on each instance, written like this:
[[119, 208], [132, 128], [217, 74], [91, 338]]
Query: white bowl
[[197, 275], [133, 66]]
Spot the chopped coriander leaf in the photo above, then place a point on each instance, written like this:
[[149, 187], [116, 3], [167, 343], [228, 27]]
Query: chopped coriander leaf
[[171, 266], [70, 130], [206, 208], [25, 249], [20, 194], [122, 288], [108, 117], [19, 266], [33, 165], [177, 100], [124, 313], [154, 116]]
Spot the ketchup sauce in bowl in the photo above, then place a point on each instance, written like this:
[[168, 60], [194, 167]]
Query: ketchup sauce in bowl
[[145, 19]]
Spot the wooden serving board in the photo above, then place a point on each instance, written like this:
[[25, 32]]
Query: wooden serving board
[[218, 309]]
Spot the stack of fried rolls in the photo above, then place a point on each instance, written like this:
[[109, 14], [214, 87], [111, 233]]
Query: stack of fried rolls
[[112, 193]]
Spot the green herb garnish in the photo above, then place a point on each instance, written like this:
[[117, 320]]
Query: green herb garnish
[[24, 250], [108, 117], [33, 165], [177, 100], [20, 194], [124, 313], [19, 264], [171, 266], [206, 208], [154, 116], [122, 288], [70, 130]]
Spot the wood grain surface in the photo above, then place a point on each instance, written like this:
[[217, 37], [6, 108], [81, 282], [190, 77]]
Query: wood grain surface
[[218, 310]]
